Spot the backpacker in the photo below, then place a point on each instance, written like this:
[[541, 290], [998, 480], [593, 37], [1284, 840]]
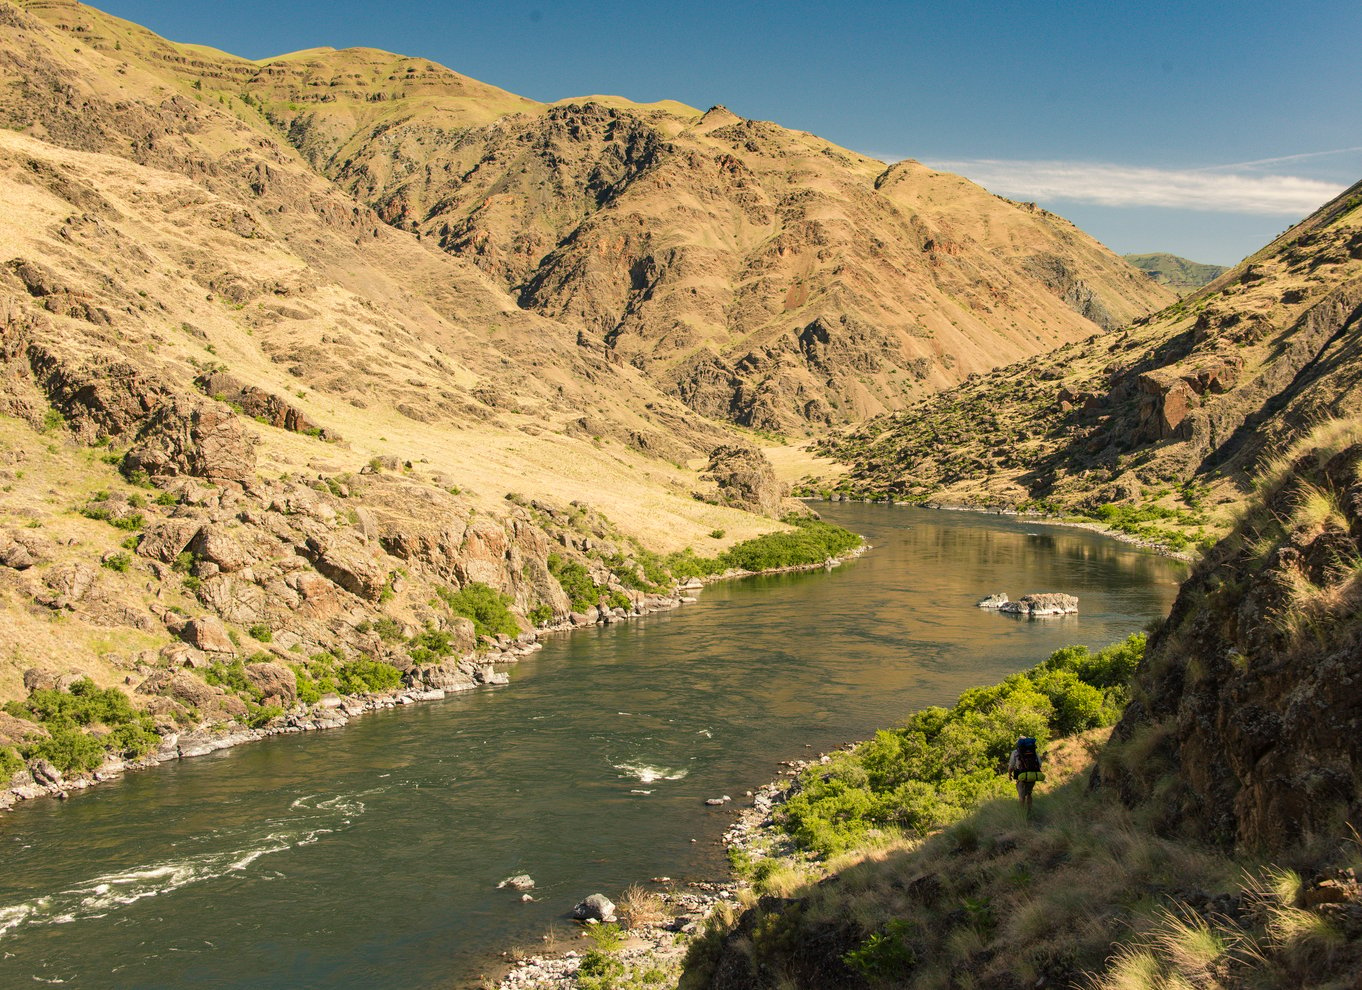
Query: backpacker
[[1028, 760]]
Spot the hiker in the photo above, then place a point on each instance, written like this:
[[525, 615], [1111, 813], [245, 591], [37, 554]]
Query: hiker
[[1023, 766]]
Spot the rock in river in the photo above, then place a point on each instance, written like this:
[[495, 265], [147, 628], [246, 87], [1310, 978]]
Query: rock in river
[[597, 907]]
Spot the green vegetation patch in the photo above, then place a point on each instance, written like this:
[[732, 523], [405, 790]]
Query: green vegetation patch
[[84, 724], [488, 608], [812, 542], [943, 762]]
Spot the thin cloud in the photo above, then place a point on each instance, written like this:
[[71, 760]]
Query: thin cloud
[[1123, 185]]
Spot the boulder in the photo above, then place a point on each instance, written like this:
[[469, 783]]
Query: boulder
[[216, 545], [993, 601], [70, 583], [208, 634], [167, 540], [198, 439], [1047, 603], [273, 680], [14, 730], [597, 907], [522, 882], [14, 554]]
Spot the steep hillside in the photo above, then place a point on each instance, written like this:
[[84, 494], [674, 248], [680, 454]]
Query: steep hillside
[[1179, 274], [1169, 417], [260, 446], [759, 274], [1244, 726]]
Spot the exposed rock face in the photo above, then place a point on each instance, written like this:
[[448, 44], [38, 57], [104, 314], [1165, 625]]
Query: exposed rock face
[[260, 404], [195, 439], [746, 480], [1248, 700]]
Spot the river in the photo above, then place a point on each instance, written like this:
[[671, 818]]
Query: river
[[369, 856]]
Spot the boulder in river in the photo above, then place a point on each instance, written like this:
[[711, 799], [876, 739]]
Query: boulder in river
[[522, 882], [993, 601], [597, 907], [1046, 603]]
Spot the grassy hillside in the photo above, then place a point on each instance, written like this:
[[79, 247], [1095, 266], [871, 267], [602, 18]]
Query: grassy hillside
[[1179, 274], [759, 274], [1162, 425]]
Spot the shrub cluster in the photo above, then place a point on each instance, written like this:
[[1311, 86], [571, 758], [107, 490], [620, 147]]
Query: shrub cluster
[[942, 762], [812, 542], [488, 608], [83, 725], [577, 584]]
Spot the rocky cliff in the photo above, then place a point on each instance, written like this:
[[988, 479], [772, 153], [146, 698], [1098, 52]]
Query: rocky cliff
[[1246, 723]]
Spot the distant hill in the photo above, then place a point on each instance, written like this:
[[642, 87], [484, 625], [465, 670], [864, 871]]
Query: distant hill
[[759, 274], [1179, 274], [1164, 424]]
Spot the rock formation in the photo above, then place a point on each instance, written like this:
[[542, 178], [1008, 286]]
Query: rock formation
[[1244, 724]]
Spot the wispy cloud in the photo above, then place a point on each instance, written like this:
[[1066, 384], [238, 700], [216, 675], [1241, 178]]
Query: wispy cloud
[[1124, 185]]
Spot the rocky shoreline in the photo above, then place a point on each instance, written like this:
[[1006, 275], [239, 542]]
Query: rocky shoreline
[[334, 711], [658, 945]]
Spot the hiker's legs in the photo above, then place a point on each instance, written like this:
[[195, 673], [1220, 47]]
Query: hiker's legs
[[1024, 788]]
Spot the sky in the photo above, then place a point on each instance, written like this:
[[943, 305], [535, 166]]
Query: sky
[[1195, 127]]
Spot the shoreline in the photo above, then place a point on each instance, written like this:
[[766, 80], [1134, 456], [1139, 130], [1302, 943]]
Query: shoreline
[[336, 711], [1092, 526], [662, 944]]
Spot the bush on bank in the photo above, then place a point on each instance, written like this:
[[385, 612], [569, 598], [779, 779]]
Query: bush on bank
[[943, 762]]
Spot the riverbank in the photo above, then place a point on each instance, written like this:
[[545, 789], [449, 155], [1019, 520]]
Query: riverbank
[[1044, 519], [466, 673]]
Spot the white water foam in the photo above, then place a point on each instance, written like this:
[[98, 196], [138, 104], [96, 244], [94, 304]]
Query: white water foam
[[110, 892], [646, 774]]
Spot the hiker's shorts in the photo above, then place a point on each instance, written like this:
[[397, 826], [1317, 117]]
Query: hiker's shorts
[[1024, 788]]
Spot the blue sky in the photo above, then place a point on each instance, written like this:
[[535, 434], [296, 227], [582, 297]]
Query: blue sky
[[1193, 127]]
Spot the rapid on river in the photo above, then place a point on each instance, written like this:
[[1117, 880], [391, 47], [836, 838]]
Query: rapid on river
[[369, 856]]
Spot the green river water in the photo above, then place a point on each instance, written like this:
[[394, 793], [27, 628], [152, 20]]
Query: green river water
[[369, 856]]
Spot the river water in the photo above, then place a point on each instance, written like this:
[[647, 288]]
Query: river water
[[369, 856]]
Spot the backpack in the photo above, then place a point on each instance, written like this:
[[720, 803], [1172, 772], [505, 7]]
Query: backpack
[[1028, 760]]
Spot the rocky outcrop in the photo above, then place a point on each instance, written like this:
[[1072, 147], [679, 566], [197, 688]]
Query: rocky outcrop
[[199, 440], [1045, 603], [745, 480], [260, 404], [1245, 726]]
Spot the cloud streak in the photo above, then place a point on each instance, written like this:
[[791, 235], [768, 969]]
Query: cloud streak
[[1124, 185]]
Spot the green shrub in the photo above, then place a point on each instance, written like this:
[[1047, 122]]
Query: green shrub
[[487, 607], [942, 762], [388, 629], [232, 677], [117, 562], [308, 691], [540, 615], [885, 957], [575, 581], [363, 675], [261, 632], [66, 714], [430, 645], [10, 762], [812, 542]]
